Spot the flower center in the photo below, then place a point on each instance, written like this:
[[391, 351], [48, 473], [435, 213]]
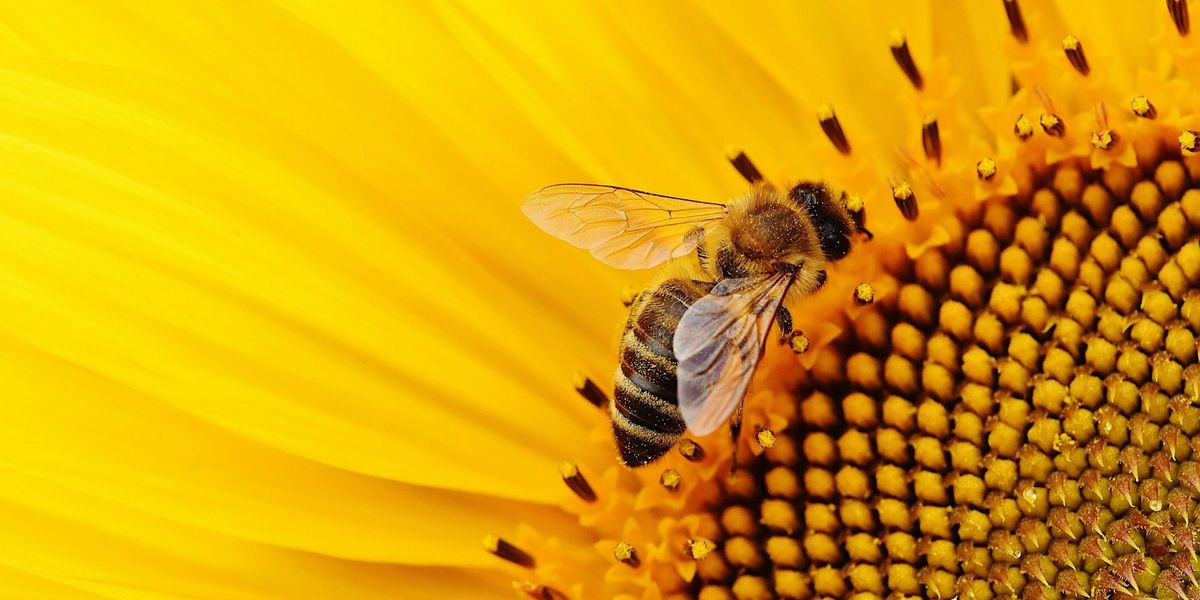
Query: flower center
[[1019, 418]]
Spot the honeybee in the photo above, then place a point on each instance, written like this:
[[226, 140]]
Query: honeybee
[[690, 348]]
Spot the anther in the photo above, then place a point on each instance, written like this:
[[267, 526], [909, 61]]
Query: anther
[[985, 169], [798, 342], [690, 450], [905, 60], [576, 481], [670, 479], [1103, 139], [627, 554], [833, 129], [1179, 15], [1189, 140], [906, 201], [765, 438], [1016, 23], [744, 166], [864, 293], [931, 140], [591, 392], [503, 549], [1023, 128], [538, 591], [1143, 108], [1052, 125], [1074, 51], [699, 548]]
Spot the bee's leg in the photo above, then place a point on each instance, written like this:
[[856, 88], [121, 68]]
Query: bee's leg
[[866, 232], [702, 256], [784, 319]]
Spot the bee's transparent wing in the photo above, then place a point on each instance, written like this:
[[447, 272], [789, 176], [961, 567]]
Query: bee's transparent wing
[[719, 342], [624, 228]]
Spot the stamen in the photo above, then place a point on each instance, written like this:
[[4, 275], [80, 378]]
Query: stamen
[[627, 554], [690, 450], [503, 549], [1189, 140], [1023, 128], [670, 479], [744, 166], [1052, 125], [591, 392], [538, 591], [765, 438], [1102, 137], [1179, 14], [864, 293], [906, 201], [904, 58], [1074, 51], [985, 169], [833, 129], [1016, 23], [1143, 108], [858, 212], [699, 548], [798, 342], [930, 139], [578, 484], [629, 295]]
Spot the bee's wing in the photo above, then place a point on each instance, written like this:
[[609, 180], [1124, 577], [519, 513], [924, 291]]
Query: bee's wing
[[719, 342], [624, 228]]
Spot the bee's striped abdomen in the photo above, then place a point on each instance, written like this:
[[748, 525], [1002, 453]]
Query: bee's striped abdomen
[[645, 412]]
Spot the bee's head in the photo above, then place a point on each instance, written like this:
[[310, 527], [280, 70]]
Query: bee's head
[[833, 224]]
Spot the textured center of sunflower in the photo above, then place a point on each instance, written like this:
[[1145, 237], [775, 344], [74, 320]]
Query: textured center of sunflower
[[1020, 418]]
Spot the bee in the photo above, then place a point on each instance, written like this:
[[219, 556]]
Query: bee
[[690, 348]]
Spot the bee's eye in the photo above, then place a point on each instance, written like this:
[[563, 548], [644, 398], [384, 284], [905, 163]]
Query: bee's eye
[[834, 245]]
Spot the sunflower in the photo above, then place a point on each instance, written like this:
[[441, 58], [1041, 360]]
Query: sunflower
[[274, 327]]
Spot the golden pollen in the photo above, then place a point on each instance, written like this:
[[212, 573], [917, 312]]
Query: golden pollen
[[1189, 140], [690, 450], [798, 342], [1142, 107], [1052, 125], [853, 203], [591, 392], [1104, 139], [699, 548], [505, 550], [833, 129], [931, 140], [744, 165], [1023, 128], [1074, 52], [670, 479], [576, 482], [765, 438], [904, 59], [864, 293], [1016, 23], [985, 169], [1179, 16], [906, 201], [627, 554]]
